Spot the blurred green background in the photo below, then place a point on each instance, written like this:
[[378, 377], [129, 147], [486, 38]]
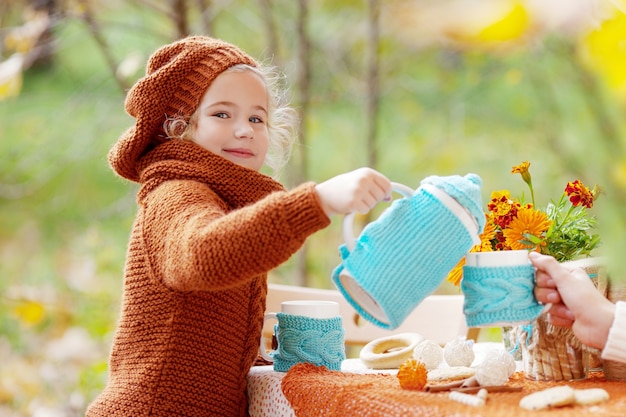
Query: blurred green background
[[452, 87]]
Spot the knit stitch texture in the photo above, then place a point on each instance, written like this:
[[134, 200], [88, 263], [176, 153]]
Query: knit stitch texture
[[195, 282], [499, 295], [466, 190], [317, 392], [403, 256], [309, 340]]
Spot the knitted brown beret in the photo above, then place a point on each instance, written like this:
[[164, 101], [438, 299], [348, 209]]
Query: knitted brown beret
[[177, 75]]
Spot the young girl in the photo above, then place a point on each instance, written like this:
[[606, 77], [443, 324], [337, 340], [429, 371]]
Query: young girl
[[209, 227]]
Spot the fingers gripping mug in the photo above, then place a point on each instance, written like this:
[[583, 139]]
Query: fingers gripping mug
[[308, 331], [499, 289], [404, 255]]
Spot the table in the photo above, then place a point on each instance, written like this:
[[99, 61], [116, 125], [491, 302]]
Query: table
[[356, 391], [266, 397]]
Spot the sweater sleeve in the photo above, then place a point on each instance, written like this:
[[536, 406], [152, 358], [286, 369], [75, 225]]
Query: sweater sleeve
[[615, 348], [195, 244]]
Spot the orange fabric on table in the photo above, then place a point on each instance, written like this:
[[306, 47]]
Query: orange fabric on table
[[316, 391]]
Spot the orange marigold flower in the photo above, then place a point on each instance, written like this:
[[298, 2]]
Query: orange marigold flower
[[500, 243], [456, 275], [523, 170], [500, 201], [503, 209], [412, 375], [489, 232], [579, 194], [527, 222]]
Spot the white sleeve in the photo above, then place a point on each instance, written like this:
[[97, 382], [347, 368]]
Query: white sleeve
[[615, 348]]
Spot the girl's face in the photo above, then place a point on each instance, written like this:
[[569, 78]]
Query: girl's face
[[232, 119]]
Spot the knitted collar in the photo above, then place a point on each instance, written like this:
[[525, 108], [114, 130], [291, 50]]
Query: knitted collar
[[184, 160]]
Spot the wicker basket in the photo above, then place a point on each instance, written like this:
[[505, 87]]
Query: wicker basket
[[552, 353]]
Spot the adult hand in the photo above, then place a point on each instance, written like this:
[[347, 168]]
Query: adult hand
[[576, 301]]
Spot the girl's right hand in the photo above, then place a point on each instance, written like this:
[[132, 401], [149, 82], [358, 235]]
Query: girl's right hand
[[356, 191]]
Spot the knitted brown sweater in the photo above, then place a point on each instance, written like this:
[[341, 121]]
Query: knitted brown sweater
[[206, 233]]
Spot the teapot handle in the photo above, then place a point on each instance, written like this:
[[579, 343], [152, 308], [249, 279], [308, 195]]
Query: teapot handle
[[348, 220]]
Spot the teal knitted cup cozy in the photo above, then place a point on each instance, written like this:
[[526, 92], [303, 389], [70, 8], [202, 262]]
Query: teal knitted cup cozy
[[301, 339], [499, 295], [404, 255]]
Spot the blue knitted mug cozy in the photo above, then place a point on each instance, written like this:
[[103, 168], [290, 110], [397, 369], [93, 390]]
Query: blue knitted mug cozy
[[311, 340], [499, 295], [403, 256]]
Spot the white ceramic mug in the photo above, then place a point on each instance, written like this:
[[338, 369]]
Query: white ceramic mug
[[306, 331], [317, 309], [497, 258]]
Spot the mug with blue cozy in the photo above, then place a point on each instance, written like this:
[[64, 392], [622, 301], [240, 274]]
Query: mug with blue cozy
[[307, 331], [499, 289], [403, 256]]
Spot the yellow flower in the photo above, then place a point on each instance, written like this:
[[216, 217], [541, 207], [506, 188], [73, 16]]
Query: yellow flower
[[488, 234], [503, 209], [456, 275], [529, 224], [523, 170], [500, 203]]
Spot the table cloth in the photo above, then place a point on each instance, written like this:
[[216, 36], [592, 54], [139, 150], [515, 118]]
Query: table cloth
[[315, 392], [307, 390], [266, 398]]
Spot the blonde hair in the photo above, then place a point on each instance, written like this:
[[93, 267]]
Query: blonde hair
[[282, 118]]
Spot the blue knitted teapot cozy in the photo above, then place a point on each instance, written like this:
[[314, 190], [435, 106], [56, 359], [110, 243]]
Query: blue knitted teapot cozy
[[403, 256]]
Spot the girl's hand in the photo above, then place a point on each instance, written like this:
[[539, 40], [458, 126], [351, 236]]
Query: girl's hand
[[356, 191]]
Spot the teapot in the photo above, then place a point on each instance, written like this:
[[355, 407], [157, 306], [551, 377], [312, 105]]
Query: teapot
[[405, 254]]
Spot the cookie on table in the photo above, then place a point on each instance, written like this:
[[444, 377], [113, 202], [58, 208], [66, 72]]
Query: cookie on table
[[591, 396], [551, 397], [453, 373]]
